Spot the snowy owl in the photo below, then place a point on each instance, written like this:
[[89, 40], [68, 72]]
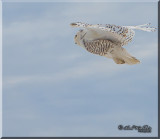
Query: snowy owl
[[107, 40]]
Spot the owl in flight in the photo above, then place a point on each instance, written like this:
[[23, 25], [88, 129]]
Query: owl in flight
[[107, 40]]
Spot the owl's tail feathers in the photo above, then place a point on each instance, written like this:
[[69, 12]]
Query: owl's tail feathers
[[126, 60], [143, 27], [123, 57]]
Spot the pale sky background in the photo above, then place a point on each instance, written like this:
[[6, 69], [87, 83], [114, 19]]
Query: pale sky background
[[52, 87]]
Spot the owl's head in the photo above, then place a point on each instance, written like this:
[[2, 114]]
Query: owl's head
[[78, 38]]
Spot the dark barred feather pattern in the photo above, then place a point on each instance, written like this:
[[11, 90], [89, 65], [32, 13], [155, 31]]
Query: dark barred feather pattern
[[100, 47]]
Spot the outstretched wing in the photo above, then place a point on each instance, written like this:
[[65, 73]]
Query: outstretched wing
[[119, 34]]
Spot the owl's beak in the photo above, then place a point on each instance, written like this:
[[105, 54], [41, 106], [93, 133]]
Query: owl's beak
[[83, 36]]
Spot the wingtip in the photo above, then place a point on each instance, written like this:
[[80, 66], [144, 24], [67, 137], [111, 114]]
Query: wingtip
[[72, 24], [154, 29]]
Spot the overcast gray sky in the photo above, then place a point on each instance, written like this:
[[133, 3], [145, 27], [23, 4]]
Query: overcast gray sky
[[52, 87]]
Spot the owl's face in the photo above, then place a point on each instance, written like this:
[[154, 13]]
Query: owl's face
[[79, 37]]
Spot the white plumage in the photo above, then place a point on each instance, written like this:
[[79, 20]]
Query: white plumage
[[107, 40]]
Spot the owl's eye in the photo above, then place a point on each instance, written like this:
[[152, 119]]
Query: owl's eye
[[75, 36]]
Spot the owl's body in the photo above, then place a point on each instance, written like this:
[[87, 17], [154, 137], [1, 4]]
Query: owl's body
[[100, 47], [107, 40]]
